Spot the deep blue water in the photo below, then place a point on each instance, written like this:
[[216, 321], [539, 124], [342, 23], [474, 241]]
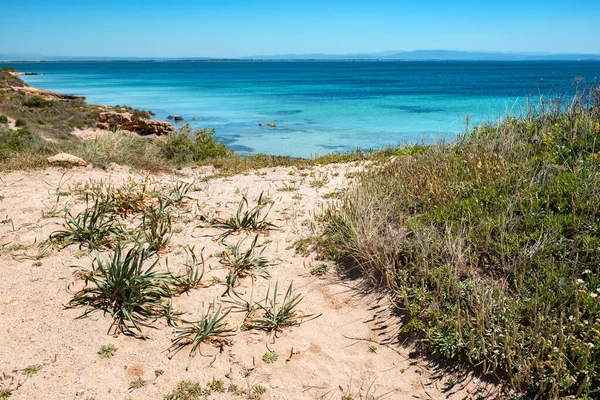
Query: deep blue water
[[318, 106]]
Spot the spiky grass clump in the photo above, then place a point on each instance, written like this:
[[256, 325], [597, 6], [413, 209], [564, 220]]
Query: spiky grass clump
[[132, 294], [209, 329], [179, 193], [91, 227], [156, 226], [491, 244], [194, 272], [246, 219], [276, 315], [243, 263]]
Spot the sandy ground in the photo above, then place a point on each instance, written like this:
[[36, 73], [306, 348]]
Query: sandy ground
[[350, 350], [11, 123]]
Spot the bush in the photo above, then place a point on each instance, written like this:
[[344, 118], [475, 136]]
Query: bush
[[3, 119], [491, 244], [12, 142], [8, 69], [37, 102], [182, 148], [20, 123], [130, 150]]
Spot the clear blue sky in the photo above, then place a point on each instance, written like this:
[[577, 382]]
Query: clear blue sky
[[229, 28]]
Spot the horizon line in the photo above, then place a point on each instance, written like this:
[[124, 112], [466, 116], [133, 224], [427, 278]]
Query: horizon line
[[390, 55]]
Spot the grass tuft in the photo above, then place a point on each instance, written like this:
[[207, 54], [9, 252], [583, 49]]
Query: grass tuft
[[194, 272], [243, 263], [209, 329], [276, 315], [91, 227], [246, 219], [132, 294]]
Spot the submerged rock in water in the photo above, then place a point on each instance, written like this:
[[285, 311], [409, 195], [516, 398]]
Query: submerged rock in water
[[178, 118]]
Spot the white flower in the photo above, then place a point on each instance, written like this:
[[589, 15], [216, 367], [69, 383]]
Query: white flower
[[571, 318], [580, 281], [594, 295], [591, 345], [587, 271]]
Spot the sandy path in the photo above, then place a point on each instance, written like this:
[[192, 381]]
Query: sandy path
[[331, 356]]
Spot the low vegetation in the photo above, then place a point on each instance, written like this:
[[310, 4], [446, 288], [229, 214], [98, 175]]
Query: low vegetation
[[276, 314], [123, 286], [91, 227], [128, 227], [211, 328], [246, 219], [242, 263], [490, 244], [190, 390], [183, 148], [107, 351]]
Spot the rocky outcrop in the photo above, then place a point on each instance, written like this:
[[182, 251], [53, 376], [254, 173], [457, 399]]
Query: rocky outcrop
[[114, 121], [66, 158], [45, 94]]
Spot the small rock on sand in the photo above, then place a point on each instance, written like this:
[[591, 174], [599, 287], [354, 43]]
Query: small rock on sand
[[66, 158]]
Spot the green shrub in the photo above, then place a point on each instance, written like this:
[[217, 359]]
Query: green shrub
[[20, 123], [8, 69], [3, 119], [491, 245], [181, 147], [37, 102], [12, 142]]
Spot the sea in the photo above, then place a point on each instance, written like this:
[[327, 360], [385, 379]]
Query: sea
[[320, 107]]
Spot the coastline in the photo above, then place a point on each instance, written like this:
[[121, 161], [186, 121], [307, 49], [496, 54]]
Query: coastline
[[101, 135], [109, 118], [318, 107]]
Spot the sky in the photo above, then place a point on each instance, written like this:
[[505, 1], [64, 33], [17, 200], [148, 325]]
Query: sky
[[236, 28]]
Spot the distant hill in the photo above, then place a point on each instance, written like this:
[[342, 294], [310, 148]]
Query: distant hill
[[418, 55]]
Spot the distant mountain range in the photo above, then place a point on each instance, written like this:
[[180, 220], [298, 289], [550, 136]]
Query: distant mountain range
[[434, 55], [416, 55]]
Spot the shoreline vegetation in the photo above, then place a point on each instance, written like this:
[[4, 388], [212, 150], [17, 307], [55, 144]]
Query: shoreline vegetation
[[488, 245]]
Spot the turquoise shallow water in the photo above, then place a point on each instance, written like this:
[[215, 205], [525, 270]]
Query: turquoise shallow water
[[318, 107]]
